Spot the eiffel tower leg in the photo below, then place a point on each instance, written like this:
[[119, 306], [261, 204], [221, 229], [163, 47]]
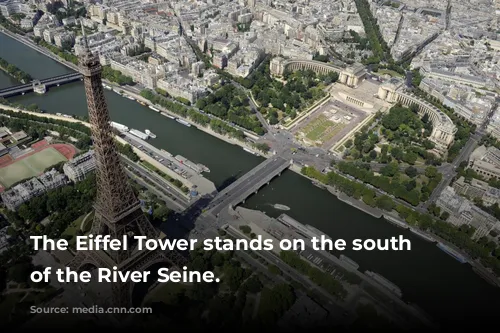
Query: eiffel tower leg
[[76, 263], [122, 295], [146, 228]]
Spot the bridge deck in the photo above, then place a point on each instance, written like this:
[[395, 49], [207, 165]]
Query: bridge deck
[[22, 88], [249, 183]]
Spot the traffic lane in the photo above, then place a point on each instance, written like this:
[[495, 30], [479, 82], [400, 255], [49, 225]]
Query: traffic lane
[[259, 174], [170, 203], [238, 191], [161, 182], [162, 186], [252, 173], [167, 161], [242, 187]]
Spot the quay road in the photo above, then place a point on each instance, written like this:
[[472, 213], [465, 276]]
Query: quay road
[[248, 183], [464, 155], [450, 172], [183, 173], [339, 306], [180, 200], [28, 42], [332, 302], [49, 82]]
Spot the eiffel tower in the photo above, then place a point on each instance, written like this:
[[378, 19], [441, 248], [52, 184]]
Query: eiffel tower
[[117, 209]]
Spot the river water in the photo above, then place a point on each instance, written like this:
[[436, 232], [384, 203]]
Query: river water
[[449, 291]]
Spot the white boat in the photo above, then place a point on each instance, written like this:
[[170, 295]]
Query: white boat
[[154, 109], [349, 261], [130, 97], [204, 168], [460, 258], [150, 134], [120, 127], [422, 235], [281, 207], [385, 283], [139, 134], [396, 222], [168, 116], [183, 122], [119, 93], [166, 153], [250, 151]]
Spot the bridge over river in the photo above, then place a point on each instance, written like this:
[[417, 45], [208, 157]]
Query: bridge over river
[[249, 183], [28, 87]]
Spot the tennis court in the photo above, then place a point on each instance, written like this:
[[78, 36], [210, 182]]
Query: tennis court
[[30, 166]]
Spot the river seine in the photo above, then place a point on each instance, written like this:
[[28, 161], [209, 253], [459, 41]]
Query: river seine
[[448, 291]]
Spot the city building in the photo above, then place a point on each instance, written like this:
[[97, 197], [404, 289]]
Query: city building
[[464, 212], [53, 179], [443, 131], [486, 162], [25, 191], [80, 166], [477, 189]]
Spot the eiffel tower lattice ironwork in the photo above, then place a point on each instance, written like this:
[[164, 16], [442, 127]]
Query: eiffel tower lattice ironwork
[[118, 211]]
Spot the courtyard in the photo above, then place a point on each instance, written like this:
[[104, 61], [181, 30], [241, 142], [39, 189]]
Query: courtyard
[[30, 166]]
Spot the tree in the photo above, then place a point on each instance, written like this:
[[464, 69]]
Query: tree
[[21, 272], [397, 153], [246, 229], [161, 213], [274, 269], [253, 284], [431, 172], [411, 172], [390, 170]]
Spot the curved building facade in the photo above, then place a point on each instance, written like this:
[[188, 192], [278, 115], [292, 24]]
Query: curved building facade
[[349, 76], [443, 131]]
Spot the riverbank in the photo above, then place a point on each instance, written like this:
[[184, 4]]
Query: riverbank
[[142, 155], [394, 218], [205, 129], [138, 97], [15, 72], [208, 131]]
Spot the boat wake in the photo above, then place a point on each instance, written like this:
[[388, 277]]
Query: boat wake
[[280, 207]]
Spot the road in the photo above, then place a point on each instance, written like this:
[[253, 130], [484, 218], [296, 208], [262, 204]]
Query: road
[[245, 184], [167, 161], [451, 172], [180, 200], [297, 276]]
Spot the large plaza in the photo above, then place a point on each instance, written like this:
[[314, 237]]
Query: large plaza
[[342, 115]]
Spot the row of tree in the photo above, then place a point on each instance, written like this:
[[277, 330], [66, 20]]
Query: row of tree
[[216, 125], [461, 236], [231, 104], [15, 72], [64, 54], [380, 49], [37, 127], [116, 76], [319, 277]]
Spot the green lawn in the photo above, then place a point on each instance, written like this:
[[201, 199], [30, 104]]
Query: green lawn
[[389, 72], [321, 129], [30, 166], [72, 229]]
